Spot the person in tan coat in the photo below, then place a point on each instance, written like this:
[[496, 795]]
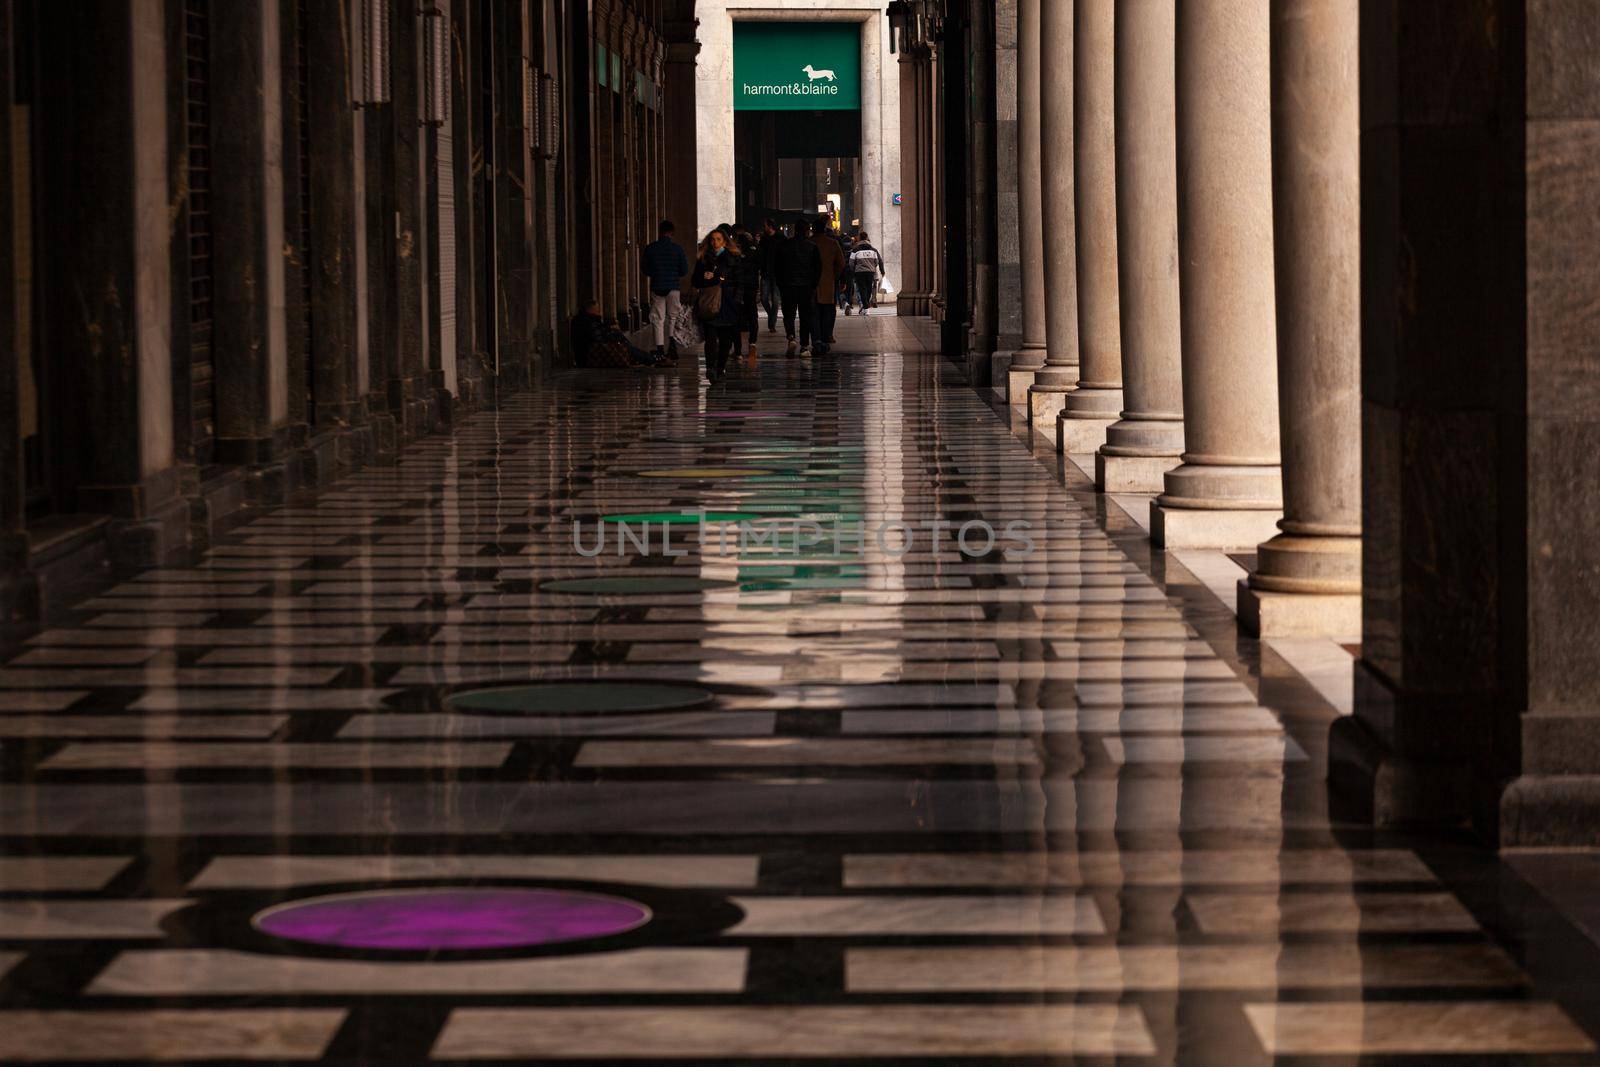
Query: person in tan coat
[[833, 265]]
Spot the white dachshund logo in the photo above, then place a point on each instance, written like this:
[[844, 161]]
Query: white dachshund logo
[[818, 75]]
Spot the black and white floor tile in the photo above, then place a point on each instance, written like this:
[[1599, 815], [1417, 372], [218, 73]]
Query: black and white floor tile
[[958, 804]]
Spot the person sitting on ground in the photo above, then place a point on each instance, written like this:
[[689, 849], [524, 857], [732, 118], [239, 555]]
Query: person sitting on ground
[[597, 342]]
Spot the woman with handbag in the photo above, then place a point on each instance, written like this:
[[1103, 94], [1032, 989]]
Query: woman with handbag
[[716, 289]]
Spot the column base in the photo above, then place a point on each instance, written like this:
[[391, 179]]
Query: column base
[[1020, 380], [1000, 374], [1375, 785], [1550, 811], [1081, 436], [1131, 474], [1268, 614], [1045, 405], [1172, 527]]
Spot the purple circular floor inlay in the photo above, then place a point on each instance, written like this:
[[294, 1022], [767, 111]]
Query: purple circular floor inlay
[[413, 920]]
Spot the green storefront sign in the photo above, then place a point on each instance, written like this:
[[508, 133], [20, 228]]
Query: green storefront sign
[[796, 66]]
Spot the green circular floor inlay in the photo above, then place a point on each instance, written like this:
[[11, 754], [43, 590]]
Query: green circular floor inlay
[[679, 518], [561, 698], [625, 586]]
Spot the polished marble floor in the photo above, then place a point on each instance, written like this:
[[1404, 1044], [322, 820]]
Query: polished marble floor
[[406, 773]]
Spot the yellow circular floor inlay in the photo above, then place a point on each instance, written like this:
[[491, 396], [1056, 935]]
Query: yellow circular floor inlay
[[705, 472]]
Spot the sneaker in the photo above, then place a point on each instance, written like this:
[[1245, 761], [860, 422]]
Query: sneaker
[[791, 346], [804, 349]]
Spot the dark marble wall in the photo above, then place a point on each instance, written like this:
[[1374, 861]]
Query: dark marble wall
[[327, 330], [1481, 324], [13, 484]]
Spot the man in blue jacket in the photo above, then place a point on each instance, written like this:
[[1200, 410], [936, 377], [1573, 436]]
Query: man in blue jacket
[[664, 265]]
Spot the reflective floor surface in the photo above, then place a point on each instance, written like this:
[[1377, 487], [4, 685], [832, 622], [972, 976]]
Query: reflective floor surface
[[407, 773]]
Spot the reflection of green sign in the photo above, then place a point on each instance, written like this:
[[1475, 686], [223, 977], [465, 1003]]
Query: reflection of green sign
[[796, 66]]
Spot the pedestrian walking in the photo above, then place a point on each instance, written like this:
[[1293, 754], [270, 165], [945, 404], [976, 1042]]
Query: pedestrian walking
[[747, 275], [865, 271], [664, 265], [798, 267], [717, 301], [772, 239], [831, 266]]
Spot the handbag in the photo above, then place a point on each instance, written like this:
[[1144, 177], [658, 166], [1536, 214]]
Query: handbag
[[708, 302]]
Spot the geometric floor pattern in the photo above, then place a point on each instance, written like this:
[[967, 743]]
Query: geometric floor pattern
[[924, 798]]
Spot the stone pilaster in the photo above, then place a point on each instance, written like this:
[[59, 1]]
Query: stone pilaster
[[1308, 578], [913, 296], [1094, 404], [337, 334], [250, 346], [407, 385], [1027, 360], [1060, 371], [678, 115], [982, 193], [1229, 491], [103, 185], [1148, 438], [16, 585], [1476, 692], [1008, 267]]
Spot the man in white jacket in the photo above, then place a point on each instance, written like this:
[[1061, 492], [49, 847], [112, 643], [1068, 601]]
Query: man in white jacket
[[865, 269]]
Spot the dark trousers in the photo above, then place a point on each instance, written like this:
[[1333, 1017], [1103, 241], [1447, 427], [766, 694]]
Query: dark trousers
[[750, 316], [867, 289], [769, 300], [827, 315], [801, 301], [719, 343]]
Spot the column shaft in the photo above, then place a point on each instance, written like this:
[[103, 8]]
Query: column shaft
[[1308, 578], [1060, 372], [911, 283], [249, 344], [335, 279], [1149, 437], [1229, 489], [1030, 204], [1094, 404], [981, 192]]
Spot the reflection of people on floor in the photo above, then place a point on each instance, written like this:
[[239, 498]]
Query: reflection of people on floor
[[597, 342]]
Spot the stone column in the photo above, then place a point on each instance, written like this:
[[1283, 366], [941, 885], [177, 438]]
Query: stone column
[[1308, 578], [1148, 439], [1060, 371], [1229, 491], [1030, 204], [250, 350], [1093, 405]]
